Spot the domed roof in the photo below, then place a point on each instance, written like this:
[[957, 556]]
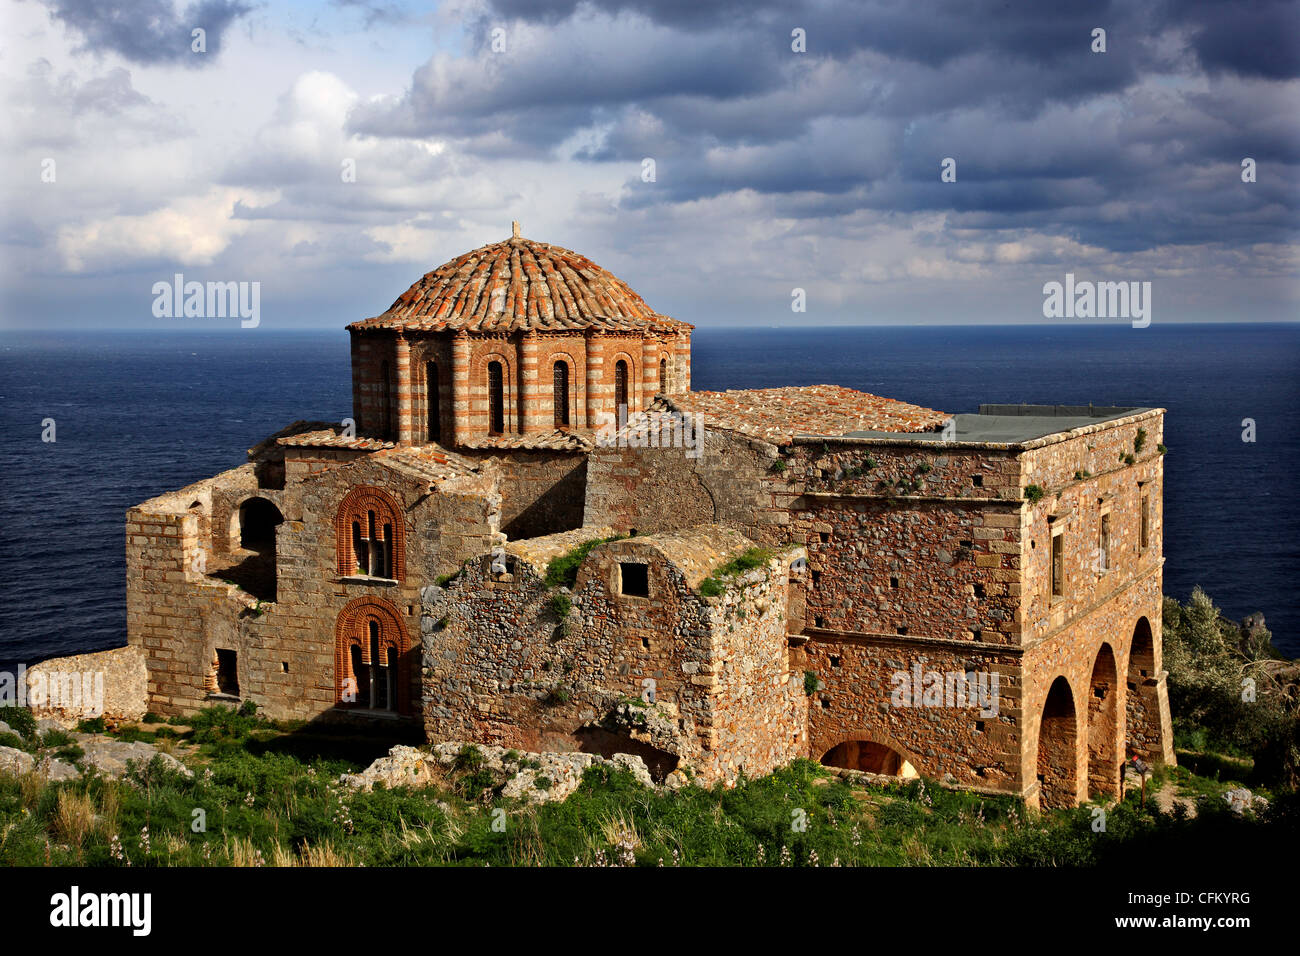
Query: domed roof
[[520, 284]]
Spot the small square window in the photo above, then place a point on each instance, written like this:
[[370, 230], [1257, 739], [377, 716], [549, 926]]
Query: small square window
[[893, 582], [835, 661], [284, 667], [816, 576], [902, 629], [826, 703], [979, 590], [645, 643], [634, 577], [817, 621], [977, 481], [824, 535]]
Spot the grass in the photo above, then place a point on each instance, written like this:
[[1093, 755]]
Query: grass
[[263, 807], [562, 571], [750, 559]]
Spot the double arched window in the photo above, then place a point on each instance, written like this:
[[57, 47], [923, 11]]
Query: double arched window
[[371, 650], [369, 535]]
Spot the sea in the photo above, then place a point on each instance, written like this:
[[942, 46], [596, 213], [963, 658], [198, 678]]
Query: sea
[[135, 414]]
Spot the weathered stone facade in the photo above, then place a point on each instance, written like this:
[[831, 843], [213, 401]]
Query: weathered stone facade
[[975, 598]]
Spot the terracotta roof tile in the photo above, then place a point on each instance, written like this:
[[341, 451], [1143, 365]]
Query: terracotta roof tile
[[330, 438], [557, 440], [520, 284], [778, 414]]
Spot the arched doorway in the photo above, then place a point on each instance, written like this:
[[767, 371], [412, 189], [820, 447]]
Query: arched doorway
[[1103, 728], [868, 756], [256, 522], [1058, 767]]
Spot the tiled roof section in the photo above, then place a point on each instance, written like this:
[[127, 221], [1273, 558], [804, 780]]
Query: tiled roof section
[[330, 438], [778, 414], [520, 284], [426, 462], [551, 441]]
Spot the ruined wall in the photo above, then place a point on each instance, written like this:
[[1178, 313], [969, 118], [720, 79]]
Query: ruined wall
[[666, 489], [541, 491], [501, 668]]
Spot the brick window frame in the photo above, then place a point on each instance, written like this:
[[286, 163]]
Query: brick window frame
[[356, 507], [353, 630]]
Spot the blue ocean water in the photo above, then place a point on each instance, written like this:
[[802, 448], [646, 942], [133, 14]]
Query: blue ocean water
[[137, 414]]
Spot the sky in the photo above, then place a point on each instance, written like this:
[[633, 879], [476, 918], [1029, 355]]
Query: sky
[[730, 161]]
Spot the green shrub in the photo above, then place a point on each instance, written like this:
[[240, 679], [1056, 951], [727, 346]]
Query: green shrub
[[55, 738], [20, 720], [562, 571], [748, 560], [71, 753], [810, 682], [151, 718], [94, 725], [559, 605], [1034, 494], [12, 740]]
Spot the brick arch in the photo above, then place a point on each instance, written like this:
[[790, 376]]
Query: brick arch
[[873, 740], [356, 506], [352, 629]]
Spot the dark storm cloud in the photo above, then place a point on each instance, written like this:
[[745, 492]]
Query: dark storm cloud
[[148, 31], [1132, 148]]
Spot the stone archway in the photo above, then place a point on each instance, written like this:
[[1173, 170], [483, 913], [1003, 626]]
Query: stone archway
[[1058, 763], [869, 756], [1103, 726], [1142, 703]]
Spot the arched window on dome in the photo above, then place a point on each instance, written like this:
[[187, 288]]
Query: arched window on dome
[[433, 399], [663, 375], [620, 386], [561, 394], [496, 398], [385, 401]]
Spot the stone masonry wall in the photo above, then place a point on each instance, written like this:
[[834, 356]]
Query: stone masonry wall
[[501, 669]]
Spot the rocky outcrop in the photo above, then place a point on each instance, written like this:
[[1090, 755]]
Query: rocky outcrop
[[530, 777]]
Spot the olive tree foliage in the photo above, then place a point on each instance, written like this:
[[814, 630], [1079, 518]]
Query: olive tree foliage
[[1231, 686]]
